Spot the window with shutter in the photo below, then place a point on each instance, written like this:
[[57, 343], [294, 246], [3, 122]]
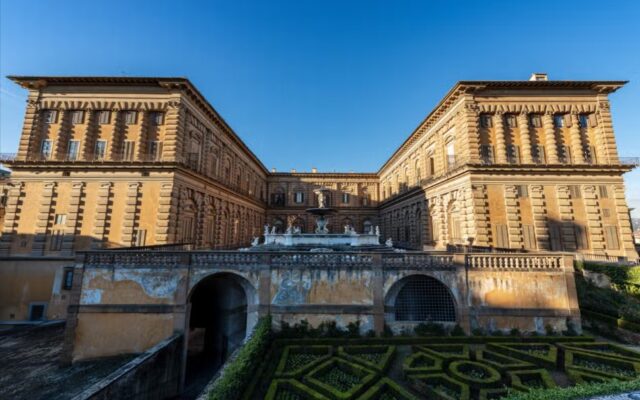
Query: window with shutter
[[512, 121], [539, 154], [130, 117], [535, 121], [554, 237], [604, 193], [584, 120], [77, 117], [513, 153], [129, 146], [575, 191], [558, 121], [486, 152], [50, 116], [529, 237], [565, 154], [502, 236], [611, 237], [523, 191], [567, 120], [104, 117], [140, 237], [46, 149], [582, 242]]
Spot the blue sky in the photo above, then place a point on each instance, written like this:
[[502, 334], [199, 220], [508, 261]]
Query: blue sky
[[336, 85]]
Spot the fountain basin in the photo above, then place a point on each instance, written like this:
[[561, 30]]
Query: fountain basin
[[321, 239]]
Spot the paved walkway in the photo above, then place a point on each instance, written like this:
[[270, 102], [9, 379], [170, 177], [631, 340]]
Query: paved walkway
[[624, 396]]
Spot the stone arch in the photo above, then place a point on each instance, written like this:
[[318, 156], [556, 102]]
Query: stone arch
[[222, 313], [419, 298]]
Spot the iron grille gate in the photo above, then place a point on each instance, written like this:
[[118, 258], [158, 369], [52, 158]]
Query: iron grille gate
[[423, 299]]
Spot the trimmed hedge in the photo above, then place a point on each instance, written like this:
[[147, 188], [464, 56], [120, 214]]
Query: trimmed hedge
[[577, 392], [237, 373], [414, 364], [521, 380], [365, 376], [611, 321], [603, 348], [464, 371], [501, 361], [579, 376], [388, 388], [572, 360], [292, 386], [440, 386], [446, 351], [358, 353], [286, 370], [519, 350], [492, 394]]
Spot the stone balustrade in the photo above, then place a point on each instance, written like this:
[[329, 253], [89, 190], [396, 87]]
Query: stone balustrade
[[515, 261]]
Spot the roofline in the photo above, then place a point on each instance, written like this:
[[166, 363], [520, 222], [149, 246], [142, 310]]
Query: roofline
[[38, 82], [323, 174], [461, 87]]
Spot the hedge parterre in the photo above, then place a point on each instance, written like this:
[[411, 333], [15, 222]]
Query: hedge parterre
[[436, 368]]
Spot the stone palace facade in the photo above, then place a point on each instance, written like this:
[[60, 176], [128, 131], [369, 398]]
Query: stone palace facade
[[109, 162]]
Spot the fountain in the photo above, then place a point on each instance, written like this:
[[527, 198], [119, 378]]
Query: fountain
[[321, 236]]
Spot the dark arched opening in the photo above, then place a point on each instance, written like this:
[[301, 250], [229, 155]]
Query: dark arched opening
[[424, 299], [217, 326]]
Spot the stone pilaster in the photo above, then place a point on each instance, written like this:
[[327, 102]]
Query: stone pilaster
[[525, 138], [501, 147], [594, 219], [117, 141], [142, 144], [512, 210], [130, 216], [11, 217], [174, 132], [43, 218], [565, 210], [90, 138], [550, 144], [539, 211], [31, 129], [577, 149], [103, 213], [73, 217], [624, 223], [469, 121], [167, 207], [61, 145], [470, 225], [605, 127], [481, 216]]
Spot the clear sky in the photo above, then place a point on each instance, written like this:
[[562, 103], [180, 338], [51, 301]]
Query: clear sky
[[336, 85]]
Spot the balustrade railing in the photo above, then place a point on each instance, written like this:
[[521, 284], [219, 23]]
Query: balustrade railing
[[514, 261]]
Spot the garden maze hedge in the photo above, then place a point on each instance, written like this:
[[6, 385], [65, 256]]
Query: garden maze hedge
[[435, 368]]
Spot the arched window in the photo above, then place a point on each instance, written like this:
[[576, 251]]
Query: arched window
[[424, 299]]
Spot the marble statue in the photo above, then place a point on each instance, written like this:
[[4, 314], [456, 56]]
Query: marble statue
[[255, 241], [297, 230], [273, 230], [377, 230], [266, 229], [322, 201], [389, 242]]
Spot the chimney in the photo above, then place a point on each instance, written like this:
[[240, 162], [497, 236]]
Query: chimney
[[293, 170], [314, 170], [273, 170], [539, 76]]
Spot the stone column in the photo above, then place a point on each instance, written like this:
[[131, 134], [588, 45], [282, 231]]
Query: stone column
[[565, 210], [167, 207], [577, 149], [525, 138], [512, 209], [539, 211], [11, 217], [626, 231], [73, 217], [102, 218], [605, 127], [594, 219], [501, 147], [481, 216], [551, 147], [130, 213], [42, 220]]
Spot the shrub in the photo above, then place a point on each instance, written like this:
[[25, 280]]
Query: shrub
[[477, 332], [353, 329], [531, 379], [475, 374], [237, 373], [457, 331], [502, 361], [387, 332], [290, 388], [387, 389], [429, 329], [577, 392], [296, 359], [339, 379], [515, 332], [598, 364], [542, 354], [440, 386], [374, 357]]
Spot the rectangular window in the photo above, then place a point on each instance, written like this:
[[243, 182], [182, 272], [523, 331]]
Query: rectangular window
[[129, 147], [486, 153], [502, 236], [513, 154], [451, 155], [575, 191], [50, 116], [604, 193], [140, 237], [535, 120], [558, 120], [56, 240], [46, 149], [67, 279], [130, 117], [104, 117], [77, 117], [511, 120], [60, 219], [528, 233], [539, 154], [523, 191], [155, 150], [584, 120], [157, 118], [345, 198], [485, 121], [36, 312], [555, 237], [299, 197], [582, 242], [74, 148], [101, 149], [611, 237], [564, 154]]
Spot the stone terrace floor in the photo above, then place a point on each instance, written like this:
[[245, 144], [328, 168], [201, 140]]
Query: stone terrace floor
[[30, 368]]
